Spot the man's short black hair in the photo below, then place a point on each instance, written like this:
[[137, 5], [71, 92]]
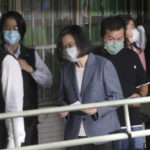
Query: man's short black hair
[[19, 19], [112, 23], [83, 43]]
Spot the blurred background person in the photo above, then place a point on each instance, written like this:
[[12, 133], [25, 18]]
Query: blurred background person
[[139, 42], [135, 38], [145, 108]]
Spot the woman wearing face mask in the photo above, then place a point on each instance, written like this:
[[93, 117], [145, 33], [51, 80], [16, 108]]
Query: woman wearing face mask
[[34, 71], [134, 38], [86, 78]]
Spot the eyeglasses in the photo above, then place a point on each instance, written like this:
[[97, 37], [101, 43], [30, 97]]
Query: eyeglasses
[[11, 28]]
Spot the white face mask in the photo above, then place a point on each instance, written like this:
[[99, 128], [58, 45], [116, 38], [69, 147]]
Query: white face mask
[[71, 54], [136, 36]]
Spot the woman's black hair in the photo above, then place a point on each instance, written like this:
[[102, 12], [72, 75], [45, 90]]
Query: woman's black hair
[[19, 19], [81, 40], [127, 18]]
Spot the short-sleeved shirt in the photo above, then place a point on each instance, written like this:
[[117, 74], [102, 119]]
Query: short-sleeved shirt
[[131, 75]]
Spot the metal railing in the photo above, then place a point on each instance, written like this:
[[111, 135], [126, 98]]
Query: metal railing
[[68, 143]]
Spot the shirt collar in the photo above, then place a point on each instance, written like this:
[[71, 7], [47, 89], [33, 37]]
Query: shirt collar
[[17, 52]]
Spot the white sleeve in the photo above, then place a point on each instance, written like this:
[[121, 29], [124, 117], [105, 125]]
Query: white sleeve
[[42, 74], [141, 43], [12, 89]]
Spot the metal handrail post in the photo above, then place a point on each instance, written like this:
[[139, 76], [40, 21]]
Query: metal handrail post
[[14, 132], [127, 118]]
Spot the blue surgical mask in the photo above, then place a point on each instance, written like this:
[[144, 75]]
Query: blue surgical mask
[[114, 47], [11, 37]]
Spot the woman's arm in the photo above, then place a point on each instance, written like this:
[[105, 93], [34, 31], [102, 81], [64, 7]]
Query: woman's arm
[[112, 87], [41, 75]]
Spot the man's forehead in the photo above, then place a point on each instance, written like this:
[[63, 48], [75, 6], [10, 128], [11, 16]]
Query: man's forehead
[[115, 32]]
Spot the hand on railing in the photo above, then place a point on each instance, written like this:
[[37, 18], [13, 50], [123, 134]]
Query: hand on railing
[[62, 114], [90, 111], [135, 95]]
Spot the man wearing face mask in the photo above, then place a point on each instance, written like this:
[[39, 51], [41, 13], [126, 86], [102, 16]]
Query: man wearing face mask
[[34, 71], [132, 76]]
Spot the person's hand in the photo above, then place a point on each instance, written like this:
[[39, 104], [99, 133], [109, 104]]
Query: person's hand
[[90, 111], [135, 95], [62, 114], [25, 66]]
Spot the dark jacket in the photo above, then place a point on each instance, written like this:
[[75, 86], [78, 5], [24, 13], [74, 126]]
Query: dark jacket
[[3, 131]]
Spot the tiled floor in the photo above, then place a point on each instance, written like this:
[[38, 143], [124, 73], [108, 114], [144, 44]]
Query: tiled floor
[[51, 129]]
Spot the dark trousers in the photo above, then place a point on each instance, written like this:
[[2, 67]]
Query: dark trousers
[[147, 126], [31, 131], [107, 146], [3, 135]]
